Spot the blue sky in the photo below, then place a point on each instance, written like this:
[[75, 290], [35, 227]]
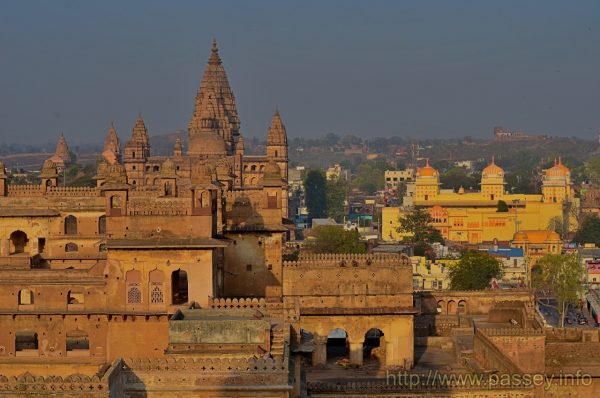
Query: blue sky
[[370, 68]]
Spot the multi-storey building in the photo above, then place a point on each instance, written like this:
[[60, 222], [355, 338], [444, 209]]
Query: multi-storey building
[[476, 217]]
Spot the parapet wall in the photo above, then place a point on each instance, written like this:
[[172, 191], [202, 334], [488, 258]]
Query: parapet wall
[[348, 260], [210, 365]]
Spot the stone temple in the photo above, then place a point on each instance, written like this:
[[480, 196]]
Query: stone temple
[[167, 278]]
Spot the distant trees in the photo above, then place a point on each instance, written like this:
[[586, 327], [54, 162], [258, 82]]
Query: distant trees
[[592, 169], [457, 177], [474, 271], [334, 239], [589, 231], [369, 176], [556, 224], [335, 196], [563, 275], [315, 194]]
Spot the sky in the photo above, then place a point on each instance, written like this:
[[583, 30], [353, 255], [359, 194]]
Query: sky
[[369, 68]]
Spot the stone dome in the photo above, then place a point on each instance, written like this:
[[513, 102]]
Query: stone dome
[[168, 169], [272, 174], [207, 143]]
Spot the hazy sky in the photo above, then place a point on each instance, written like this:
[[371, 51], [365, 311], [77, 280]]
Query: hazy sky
[[370, 68]]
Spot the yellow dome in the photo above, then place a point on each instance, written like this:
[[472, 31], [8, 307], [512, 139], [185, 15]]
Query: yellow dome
[[492, 170], [427, 171], [558, 170], [536, 236]]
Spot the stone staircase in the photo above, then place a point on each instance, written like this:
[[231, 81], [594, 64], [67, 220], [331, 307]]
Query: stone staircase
[[278, 342]]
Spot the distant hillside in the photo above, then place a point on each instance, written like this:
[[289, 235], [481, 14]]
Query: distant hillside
[[162, 144]]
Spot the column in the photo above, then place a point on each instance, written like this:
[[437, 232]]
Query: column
[[4, 247], [356, 353], [390, 354], [319, 355]]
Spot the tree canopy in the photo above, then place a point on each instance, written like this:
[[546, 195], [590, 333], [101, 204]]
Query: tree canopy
[[315, 194], [457, 177], [422, 234], [563, 275], [417, 223], [589, 231], [334, 239], [474, 271], [335, 197]]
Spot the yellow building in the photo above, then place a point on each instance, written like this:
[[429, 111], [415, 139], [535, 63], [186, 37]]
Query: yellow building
[[473, 217]]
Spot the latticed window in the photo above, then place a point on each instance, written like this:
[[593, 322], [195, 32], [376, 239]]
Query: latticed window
[[134, 295], [156, 296]]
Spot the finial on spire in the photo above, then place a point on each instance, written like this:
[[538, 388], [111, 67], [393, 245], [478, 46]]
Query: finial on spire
[[493, 159], [214, 53], [427, 162]]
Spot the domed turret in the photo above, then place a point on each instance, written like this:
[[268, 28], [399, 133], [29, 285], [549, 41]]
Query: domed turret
[[272, 175], [427, 170], [493, 170]]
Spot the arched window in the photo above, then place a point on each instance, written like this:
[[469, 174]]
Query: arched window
[[102, 225], [78, 343], [156, 169], [133, 280], [276, 153], [71, 247], [373, 341], [18, 242], [156, 288], [25, 297], [70, 225], [179, 287], [253, 168], [337, 343]]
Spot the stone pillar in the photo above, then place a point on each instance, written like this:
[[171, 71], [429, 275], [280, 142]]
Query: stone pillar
[[319, 355], [297, 384], [356, 353], [390, 354], [4, 247]]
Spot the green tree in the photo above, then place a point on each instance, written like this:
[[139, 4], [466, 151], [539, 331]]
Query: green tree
[[589, 231], [563, 275], [335, 195], [315, 194], [556, 224], [417, 223], [502, 207], [369, 176], [592, 169], [457, 177], [334, 239], [474, 271]]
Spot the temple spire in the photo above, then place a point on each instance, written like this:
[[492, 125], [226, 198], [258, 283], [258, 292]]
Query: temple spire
[[277, 134], [214, 108]]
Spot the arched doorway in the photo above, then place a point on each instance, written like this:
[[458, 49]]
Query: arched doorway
[[337, 344], [452, 308], [179, 287], [374, 345], [18, 242], [462, 307], [71, 225], [441, 307]]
